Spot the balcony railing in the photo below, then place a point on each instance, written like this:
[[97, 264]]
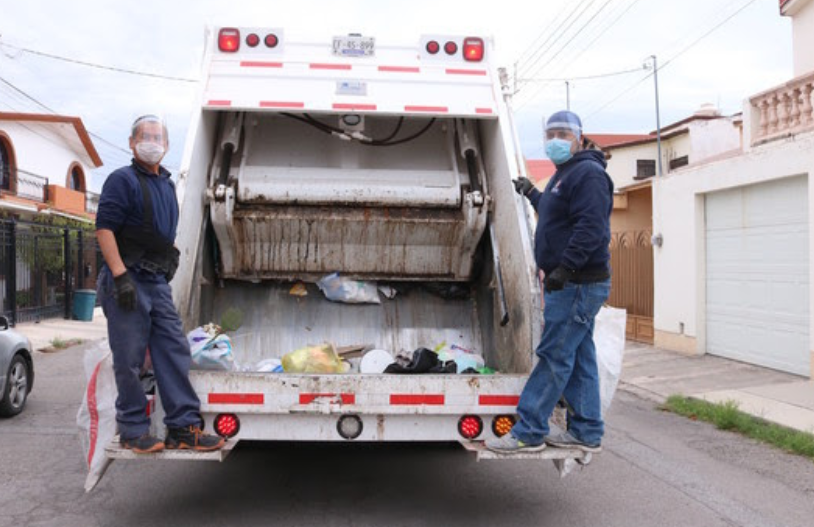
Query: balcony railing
[[783, 111], [91, 202], [31, 186]]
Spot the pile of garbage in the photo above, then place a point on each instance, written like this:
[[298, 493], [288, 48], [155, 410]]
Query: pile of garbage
[[212, 350]]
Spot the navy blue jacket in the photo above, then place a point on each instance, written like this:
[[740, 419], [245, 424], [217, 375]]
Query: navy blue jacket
[[573, 226], [121, 203]]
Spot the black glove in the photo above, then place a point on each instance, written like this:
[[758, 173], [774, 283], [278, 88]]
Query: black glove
[[523, 186], [557, 279], [126, 293], [175, 256]]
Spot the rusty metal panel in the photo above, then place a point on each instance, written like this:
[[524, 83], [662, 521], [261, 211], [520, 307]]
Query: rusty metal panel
[[395, 243]]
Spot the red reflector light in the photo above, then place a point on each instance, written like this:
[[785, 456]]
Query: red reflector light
[[252, 40], [227, 425], [470, 426], [473, 49], [433, 47], [451, 47], [271, 40], [229, 39]]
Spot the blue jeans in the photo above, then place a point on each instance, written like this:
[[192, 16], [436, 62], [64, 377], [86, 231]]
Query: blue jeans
[[567, 367], [154, 324]]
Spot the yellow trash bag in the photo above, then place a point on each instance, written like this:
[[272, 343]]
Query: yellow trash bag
[[313, 359]]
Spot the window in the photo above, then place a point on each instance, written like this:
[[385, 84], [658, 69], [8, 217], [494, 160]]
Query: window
[[76, 178], [645, 168], [679, 162], [7, 167]]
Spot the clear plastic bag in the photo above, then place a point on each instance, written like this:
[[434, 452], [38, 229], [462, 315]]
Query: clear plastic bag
[[313, 359], [340, 289], [211, 349], [96, 418]]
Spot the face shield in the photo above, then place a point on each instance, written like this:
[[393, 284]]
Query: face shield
[[561, 139], [149, 129]]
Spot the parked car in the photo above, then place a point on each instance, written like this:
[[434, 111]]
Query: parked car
[[16, 370]]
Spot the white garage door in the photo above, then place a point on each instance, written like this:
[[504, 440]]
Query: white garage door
[[757, 261]]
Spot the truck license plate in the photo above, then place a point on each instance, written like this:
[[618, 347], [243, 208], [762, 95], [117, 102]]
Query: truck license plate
[[354, 46]]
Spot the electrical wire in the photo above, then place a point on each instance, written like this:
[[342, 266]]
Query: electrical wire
[[585, 77], [387, 141], [98, 66], [671, 59]]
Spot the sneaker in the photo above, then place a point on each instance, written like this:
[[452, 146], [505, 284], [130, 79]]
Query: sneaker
[[566, 440], [145, 444], [509, 445], [192, 438]]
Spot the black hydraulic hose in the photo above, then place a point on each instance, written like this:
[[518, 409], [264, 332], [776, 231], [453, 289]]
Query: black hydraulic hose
[[393, 133], [226, 162], [472, 168], [406, 139]]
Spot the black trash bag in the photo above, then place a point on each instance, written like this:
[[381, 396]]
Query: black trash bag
[[448, 290], [423, 361], [446, 367]]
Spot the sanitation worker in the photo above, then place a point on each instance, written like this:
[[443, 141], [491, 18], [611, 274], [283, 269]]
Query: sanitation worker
[[571, 247], [135, 225]]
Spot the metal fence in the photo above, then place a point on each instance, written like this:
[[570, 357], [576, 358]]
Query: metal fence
[[41, 266]]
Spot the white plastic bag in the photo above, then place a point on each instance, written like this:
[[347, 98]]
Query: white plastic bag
[[96, 418], [211, 349], [609, 338], [340, 289]]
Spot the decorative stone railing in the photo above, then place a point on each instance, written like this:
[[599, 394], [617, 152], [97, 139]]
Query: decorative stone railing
[[783, 111]]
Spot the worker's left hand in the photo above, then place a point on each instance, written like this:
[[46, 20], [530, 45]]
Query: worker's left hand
[[557, 279]]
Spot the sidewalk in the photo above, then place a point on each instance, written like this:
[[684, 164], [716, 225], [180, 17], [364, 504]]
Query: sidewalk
[[43, 333], [779, 397]]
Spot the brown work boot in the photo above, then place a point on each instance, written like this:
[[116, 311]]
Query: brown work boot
[[192, 438], [145, 444]]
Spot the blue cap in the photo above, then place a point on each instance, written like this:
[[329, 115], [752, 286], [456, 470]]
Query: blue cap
[[565, 120]]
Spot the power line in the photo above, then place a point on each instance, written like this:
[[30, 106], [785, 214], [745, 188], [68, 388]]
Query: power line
[[575, 35], [560, 32], [673, 58], [544, 32], [51, 110], [584, 77], [99, 66]]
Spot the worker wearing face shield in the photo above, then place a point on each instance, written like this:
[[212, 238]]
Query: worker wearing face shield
[[571, 248], [136, 224]]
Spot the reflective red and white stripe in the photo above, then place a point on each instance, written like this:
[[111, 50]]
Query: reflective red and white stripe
[[394, 399]]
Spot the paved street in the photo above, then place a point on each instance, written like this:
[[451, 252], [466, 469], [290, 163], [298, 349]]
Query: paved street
[[657, 469]]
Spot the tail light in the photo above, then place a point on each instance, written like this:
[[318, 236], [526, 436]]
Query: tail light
[[229, 39], [252, 40], [470, 426], [271, 40], [473, 49], [433, 47], [502, 424], [349, 426], [450, 48], [227, 425]]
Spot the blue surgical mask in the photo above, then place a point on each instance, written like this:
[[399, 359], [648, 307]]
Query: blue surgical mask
[[558, 150]]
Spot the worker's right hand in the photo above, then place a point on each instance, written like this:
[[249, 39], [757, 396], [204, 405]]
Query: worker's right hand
[[523, 186], [126, 292]]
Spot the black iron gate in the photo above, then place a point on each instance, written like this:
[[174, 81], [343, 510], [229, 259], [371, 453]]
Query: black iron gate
[[41, 266]]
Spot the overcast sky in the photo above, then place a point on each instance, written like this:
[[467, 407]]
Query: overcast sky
[[749, 53]]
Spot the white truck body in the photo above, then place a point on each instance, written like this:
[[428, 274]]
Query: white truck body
[[268, 199]]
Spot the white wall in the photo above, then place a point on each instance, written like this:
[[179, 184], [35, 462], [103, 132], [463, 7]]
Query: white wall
[[41, 151], [802, 28], [622, 164], [710, 138], [678, 214]]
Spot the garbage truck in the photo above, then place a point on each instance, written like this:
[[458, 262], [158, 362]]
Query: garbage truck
[[384, 163]]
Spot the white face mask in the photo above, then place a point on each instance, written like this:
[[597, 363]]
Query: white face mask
[[150, 153]]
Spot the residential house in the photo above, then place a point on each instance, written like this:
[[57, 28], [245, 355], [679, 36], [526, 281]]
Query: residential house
[[46, 211], [733, 270]]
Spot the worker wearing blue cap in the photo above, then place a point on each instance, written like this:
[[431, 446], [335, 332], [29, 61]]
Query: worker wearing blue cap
[[571, 247]]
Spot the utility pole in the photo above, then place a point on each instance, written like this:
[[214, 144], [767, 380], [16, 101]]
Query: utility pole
[[658, 117], [568, 96]]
